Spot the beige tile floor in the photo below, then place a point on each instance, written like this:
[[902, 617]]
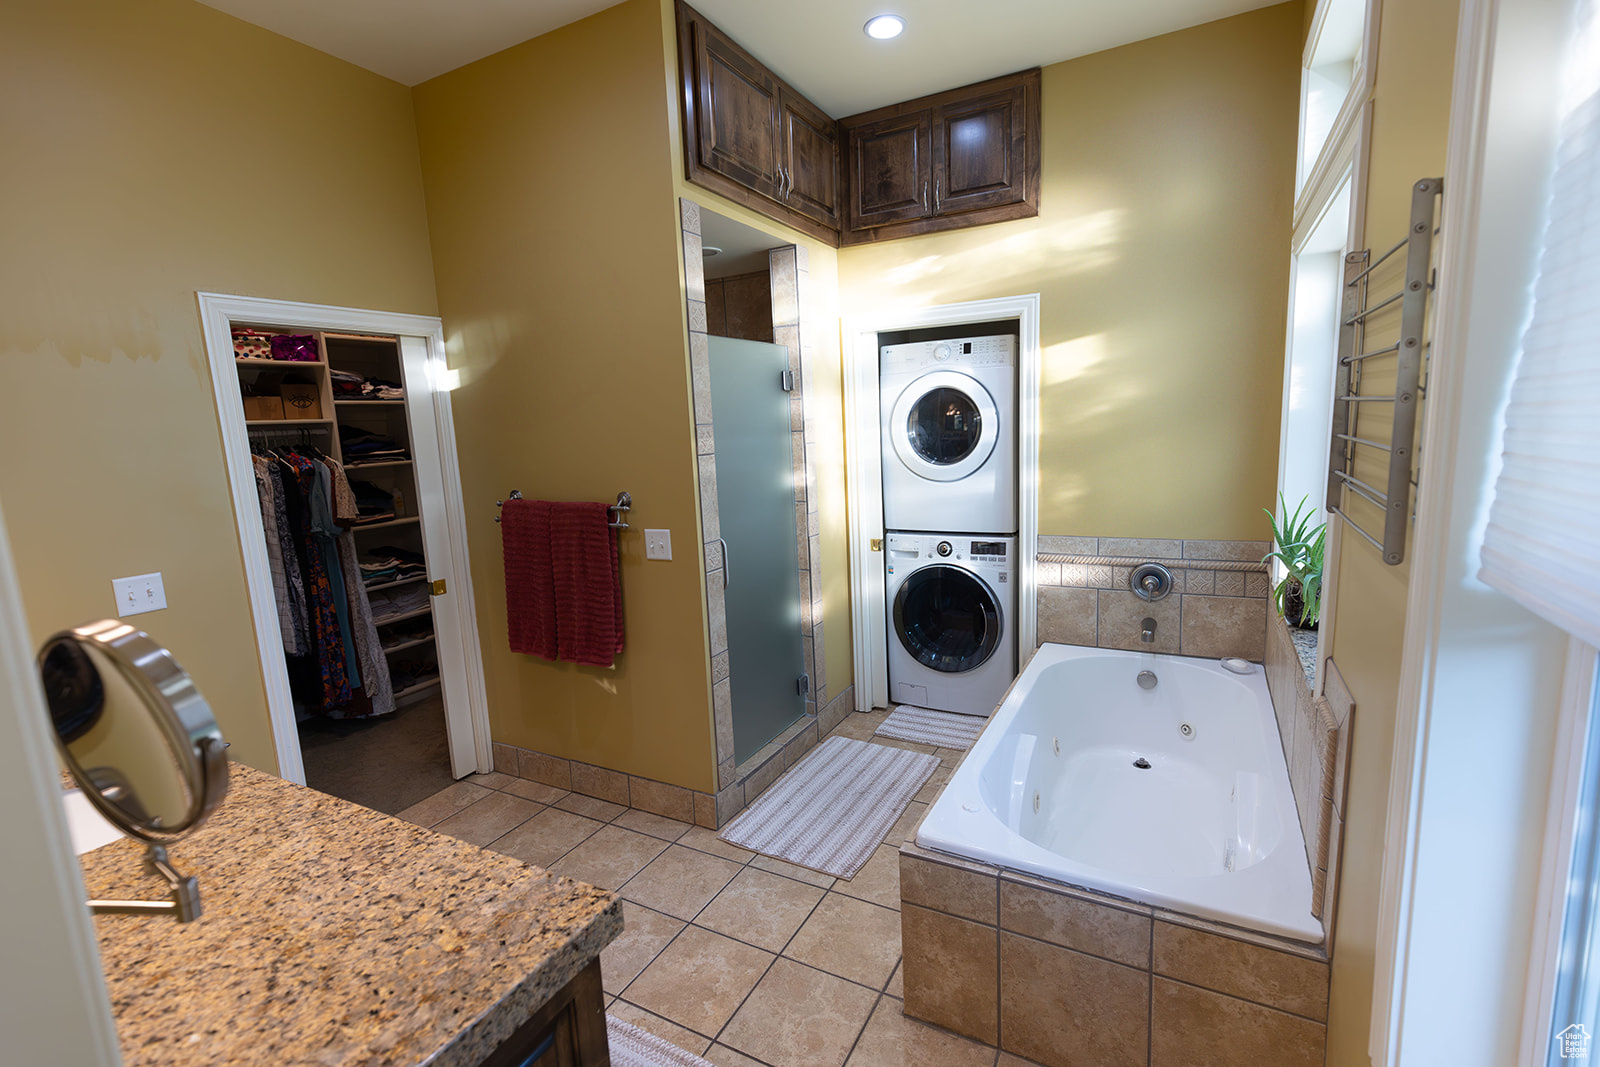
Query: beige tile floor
[[740, 958]]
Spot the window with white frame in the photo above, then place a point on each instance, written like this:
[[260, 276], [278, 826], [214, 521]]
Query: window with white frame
[[1333, 80], [1541, 545], [1334, 86]]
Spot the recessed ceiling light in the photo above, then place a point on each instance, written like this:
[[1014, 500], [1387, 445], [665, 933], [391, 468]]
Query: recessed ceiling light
[[707, 251], [883, 27]]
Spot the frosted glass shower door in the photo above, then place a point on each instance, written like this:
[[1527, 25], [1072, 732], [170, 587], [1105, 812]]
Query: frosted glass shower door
[[755, 505]]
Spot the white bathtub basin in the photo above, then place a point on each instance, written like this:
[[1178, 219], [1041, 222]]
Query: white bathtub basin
[[1176, 796]]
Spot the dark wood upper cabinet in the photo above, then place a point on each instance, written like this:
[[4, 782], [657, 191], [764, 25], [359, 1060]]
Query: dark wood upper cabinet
[[739, 115], [808, 151], [891, 168], [753, 138], [959, 158]]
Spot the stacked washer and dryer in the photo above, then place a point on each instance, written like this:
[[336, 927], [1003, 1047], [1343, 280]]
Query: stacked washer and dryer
[[950, 518]]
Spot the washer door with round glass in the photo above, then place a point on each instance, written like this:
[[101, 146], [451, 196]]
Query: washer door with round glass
[[944, 426], [947, 618]]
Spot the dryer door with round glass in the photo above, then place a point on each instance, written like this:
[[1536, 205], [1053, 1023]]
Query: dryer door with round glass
[[947, 618], [944, 425]]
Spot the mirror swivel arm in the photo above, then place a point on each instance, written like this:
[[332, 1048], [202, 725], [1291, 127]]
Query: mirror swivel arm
[[184, 904]]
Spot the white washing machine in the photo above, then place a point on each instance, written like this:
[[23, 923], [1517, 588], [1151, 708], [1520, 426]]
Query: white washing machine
[[952, 638], [950, 434]]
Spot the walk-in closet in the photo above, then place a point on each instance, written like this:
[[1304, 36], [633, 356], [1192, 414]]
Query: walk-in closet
[[328, 422]]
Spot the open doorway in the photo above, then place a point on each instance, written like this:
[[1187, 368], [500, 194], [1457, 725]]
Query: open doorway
[[340, 451]]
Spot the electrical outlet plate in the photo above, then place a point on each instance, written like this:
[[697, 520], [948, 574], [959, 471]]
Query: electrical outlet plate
[[658, 544], [141, 593]]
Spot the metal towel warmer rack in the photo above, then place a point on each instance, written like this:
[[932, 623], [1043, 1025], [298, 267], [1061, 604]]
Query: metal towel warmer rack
[[1358, 307], [615, 511]]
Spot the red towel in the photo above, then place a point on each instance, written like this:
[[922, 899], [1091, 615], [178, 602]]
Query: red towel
[[530, 585], [563, 589], [583, 560]]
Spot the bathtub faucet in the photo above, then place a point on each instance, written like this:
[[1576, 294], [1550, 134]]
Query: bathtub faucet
[[1147, 630]]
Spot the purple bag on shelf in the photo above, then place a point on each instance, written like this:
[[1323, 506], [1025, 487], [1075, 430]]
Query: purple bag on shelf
[[296, 348]]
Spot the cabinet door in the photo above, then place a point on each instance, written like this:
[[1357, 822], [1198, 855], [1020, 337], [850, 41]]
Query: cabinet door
[[809, 148], [979, 153], [891, 166], [736, 113]]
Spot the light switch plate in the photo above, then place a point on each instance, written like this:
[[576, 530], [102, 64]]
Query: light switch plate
[[658, 544], [141, 593]]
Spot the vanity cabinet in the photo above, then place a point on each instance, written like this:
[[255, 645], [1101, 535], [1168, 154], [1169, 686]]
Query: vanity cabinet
[[753, 138], [569, 1031], [959, 158]]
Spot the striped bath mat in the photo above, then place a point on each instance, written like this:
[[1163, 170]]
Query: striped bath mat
[[831, 810], [633, 1047], [942, 728]]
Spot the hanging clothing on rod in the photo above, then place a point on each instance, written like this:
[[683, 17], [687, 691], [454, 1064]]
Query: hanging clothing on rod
[[337, 665]]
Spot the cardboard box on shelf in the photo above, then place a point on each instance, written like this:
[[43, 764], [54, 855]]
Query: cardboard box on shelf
[[302, 401], [257, 408]]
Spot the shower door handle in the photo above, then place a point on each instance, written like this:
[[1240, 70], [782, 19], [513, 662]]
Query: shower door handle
[[724, 545]]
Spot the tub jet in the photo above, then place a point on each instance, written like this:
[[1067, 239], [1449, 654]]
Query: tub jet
[[1142, 763]]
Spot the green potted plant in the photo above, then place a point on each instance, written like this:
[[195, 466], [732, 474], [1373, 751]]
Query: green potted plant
[[1299, 548]]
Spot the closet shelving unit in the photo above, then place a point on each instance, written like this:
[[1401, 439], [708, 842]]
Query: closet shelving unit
[[370, 357]]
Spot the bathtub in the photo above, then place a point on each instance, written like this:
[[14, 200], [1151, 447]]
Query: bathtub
[[1176, 796]]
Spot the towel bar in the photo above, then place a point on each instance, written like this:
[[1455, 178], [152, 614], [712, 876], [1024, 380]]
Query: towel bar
[[614, 511], [516, 494], [624, 503]]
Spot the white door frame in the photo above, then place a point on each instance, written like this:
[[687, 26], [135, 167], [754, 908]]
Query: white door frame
[[455, 619], [863, 450]]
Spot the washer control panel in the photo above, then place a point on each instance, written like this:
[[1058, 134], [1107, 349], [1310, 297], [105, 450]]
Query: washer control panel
[[997, 351], [902, 549]]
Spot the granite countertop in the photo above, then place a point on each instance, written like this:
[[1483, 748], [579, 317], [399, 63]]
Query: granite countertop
[[335, 936]]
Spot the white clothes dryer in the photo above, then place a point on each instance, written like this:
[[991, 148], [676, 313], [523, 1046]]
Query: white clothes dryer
[[952, 609], [950, 434]]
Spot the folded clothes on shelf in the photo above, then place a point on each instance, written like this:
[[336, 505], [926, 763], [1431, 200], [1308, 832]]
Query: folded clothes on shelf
[[363, 446], [387, 563], [347, 385], [405, 632], [387, 603], [373, 502]]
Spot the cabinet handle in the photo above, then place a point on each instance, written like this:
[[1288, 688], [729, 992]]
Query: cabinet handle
[[924, 196], [936, 198], [788, 182]]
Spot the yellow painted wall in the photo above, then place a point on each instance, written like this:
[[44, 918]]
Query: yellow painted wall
[[1410, 123], [824, 393], [1160, 256], [154, 148], [555, 242]]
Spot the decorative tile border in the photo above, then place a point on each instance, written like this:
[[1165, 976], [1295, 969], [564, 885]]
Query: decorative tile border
[[794, 328], [1117, 969], [713, 811], [1217, 607]]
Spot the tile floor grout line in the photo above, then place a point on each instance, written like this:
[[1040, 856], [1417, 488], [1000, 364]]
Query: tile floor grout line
[[776, 956], [864, 1024]]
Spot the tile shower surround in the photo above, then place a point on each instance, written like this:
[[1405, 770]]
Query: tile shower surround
[[794, 327], [1218, 604]]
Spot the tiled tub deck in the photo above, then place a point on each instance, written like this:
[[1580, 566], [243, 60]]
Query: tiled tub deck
[[1068, 977]]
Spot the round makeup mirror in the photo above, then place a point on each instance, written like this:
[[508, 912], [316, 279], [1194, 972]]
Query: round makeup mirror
[[141, 742]]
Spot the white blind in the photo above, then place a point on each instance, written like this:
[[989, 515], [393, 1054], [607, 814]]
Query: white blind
[[1542, 546]]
